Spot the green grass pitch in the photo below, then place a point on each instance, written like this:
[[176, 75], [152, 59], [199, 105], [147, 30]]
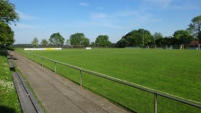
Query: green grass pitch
[[177, 72]]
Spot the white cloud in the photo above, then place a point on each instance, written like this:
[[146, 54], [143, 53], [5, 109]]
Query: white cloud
[[24, 16], [185, 5], [162, 2], [22, 26], [136, 16], [124, 19], [127, 12], [113, 26], [83, 4], [171, 4], [99, 16], [97, 24]]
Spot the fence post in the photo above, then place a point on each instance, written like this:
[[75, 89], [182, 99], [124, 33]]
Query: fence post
[[34, 58], [55, 67], [80, 77], [155, 103]]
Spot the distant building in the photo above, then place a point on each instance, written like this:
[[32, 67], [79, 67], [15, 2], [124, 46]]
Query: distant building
[[194, 43]]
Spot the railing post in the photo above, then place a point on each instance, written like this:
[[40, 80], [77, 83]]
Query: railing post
[[55, 67], [155, 103], [80, 77]]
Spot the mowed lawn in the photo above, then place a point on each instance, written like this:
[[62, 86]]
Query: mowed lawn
[[177, 72]]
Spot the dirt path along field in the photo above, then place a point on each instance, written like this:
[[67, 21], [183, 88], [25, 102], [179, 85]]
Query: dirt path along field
[[59, 95]]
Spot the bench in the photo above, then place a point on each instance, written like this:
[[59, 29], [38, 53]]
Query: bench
[[10, 62], [9, 57], [11, 65], [28, 102]]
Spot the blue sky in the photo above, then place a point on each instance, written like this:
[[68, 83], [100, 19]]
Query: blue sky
[[115, 18]]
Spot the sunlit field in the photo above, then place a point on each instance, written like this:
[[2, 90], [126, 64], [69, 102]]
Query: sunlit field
[[176, 72]]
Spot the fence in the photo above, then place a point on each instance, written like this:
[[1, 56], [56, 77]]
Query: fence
[[133, 85]]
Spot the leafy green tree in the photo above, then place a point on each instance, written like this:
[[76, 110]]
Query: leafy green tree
[[44, 42], [103, 40], [195, 27], [157, 35], [140, 37], [10, 39], [122, 43], [7, 15], [85, 42], [6, 34], [56, 39], [35, 42], [93, 44], [182, 36], [166, 41], [79, 39], [7, 11]]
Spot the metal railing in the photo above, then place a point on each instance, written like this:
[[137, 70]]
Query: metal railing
[[137, 86]]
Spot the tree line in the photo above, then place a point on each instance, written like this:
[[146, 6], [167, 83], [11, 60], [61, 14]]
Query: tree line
[[134, 38], [143, 37], [75, 40]]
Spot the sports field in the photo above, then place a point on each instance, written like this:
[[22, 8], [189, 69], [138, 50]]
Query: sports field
[[175, 72]]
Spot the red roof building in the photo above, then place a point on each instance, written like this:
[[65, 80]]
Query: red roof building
[[194, 42]]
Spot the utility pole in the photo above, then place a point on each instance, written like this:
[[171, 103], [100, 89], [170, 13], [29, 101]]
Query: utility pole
[[143, 38]]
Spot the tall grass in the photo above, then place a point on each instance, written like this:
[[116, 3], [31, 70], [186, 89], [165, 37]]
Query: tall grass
[[8, 97], [172, 71]]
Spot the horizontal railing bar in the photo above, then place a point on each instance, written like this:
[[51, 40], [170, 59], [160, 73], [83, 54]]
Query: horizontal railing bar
[[144, 88], [137, 86]]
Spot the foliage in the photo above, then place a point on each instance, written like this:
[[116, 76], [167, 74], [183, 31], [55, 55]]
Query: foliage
[[140, 37], [122, 43], [157, 36], [56, 39], [93, 44], [143, 37], [7, 12], [179, 37], [35, 42], [6, 34], [79, 39], [44, 42], [103, 40], [195, 27], [182, 36], [166, 41], [85, 42], [7, 15]]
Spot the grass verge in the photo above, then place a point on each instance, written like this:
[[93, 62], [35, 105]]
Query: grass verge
[[8, 96]]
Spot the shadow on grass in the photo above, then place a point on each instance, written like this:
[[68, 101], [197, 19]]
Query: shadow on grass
[[2, 52], [4, 109]]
